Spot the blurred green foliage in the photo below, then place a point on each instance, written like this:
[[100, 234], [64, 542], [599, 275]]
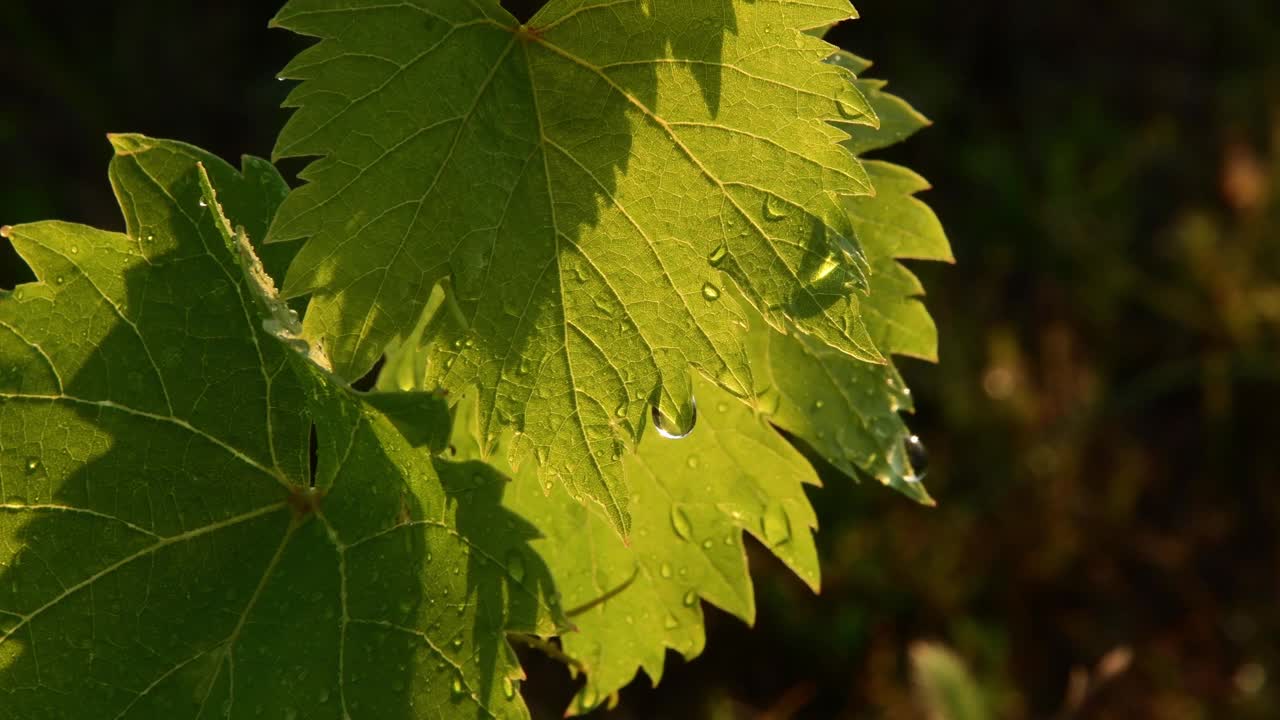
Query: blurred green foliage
[[1101, 424]]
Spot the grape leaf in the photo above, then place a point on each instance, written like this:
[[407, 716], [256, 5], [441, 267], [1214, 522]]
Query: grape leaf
[[167, 548], [848, 411], [693, 498], [583, 185]]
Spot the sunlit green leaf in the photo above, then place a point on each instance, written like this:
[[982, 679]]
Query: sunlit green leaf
[[585, 186]]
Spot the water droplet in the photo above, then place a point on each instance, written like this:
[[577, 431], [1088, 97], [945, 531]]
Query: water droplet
[[671, 430], [775, 208], [690, 598], [515, 566], [33, 464], [671, 623], [918, 456], [775, 524], [718, 255], [75, 250], [692, 461], [587, 699], [850, 103], [728, 539], [547, 486], [457, 687], [665, 570], [722, 407], [680, 523], [710, 292], [508, 688], [457, 644], [818, 404], [706, 544]]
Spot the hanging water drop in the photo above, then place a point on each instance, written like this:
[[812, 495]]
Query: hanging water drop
[[775, 525], [710, 292], [918, 457], [680, 523], [672, 430]]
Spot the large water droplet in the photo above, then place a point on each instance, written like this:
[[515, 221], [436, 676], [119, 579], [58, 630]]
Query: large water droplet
[[710, 292], [457, 687], [775, 524], [850, 103], [775, 208], [669, 428], [690, 598], [718, 255], [508, 688], [918, 456], [680, 523]]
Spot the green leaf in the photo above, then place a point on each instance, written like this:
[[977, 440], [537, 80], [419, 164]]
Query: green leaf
[[166, 549], [692, 500], [944, 687], [585, 186], [848, 411]]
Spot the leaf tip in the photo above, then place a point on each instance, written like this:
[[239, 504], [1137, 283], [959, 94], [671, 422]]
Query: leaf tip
[[129, 143]]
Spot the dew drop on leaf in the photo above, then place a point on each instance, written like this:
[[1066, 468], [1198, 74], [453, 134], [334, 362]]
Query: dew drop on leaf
[[690, 598], [33, 464], [710, 292], [508, 688], [672, 430], [706, 544], [818, 405], [775, 208], [680, 523], [918, 456], [515, 566], [457, 687], [775, 524], [692, 461], [588, 698], [665, 570], [718, 255], [848, 102]]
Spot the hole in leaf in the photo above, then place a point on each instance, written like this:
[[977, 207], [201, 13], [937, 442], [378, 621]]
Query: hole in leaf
[[313, 454], [369, 380], [523, 9]]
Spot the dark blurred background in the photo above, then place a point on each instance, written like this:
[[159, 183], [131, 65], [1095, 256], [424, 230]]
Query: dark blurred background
[[1102, 425]]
